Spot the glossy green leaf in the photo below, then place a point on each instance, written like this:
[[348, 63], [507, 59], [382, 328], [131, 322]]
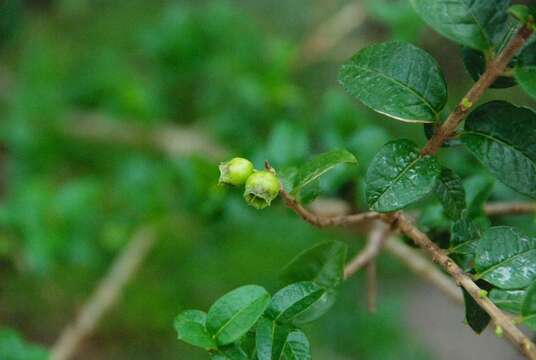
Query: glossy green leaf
[[317, 309], [508, 300], [449, 189], [525, 70], [399, 176], [270, 339], [229, 352], [297, 347], [232, 315], [474, 23], [502, 137], [293, 300], [506, 258], [528, 308], [396, 79], [477, 318], [190, 327], [465, 233], [323, 264], [319, 165]]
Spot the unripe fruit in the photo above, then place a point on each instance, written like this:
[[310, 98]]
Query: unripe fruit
[[261, 188], [235, 171]]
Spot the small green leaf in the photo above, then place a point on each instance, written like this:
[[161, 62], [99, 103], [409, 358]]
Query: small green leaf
[[232, 315], [297, 346], [317, 309], [190, 327], [399, 176], [396, 79], [502, 137], [508, 300], [270, 339], [506, 258], [449, 189], [476, 23], [323, 264], [525, 70], [319, 165], [293, 300], [477, 318], [465, 233], [528, 308]]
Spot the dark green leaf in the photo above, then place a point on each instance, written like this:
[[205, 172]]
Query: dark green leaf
[[232, 315], [297, 347], [478, 189], [396, 79], [190, 327], [477, 318], [465, 233], [317, 309], [528, 308], [323, 264], [508, 300], [293, 300], [525, 70], [475, 64], [478, 24], [270, 339], [319, 165], [506, 258], [502, 137], [399, 175], [449, 189]]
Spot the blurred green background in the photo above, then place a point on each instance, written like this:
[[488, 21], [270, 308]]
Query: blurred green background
[[114, 116]]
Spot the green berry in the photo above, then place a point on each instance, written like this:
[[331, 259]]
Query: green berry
[[235, 171], [261, 188]]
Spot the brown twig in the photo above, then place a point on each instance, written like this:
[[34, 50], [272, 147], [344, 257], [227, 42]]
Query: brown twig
[[494, 69], [105, 294], [322, 221], [514, 208], [516, 336], [377, 237]]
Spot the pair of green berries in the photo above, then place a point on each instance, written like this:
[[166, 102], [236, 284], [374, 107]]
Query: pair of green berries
[[261, 186]]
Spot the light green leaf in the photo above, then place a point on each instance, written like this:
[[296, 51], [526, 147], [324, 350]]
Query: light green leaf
[[14, 347], [525, 70], [270, 339], [232, 315], [293, 300], [478, 24], [528, 308], [502, 137], [396, 79], [449, 189], [323, 264], [317, 309], [508, 300], [297, 347], [229, 352], [319, 165], [506, 258], [399, 175], [190, 327]]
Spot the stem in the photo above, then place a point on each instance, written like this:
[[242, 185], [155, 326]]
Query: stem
[[493, 209], [377, 238], [494, 69]]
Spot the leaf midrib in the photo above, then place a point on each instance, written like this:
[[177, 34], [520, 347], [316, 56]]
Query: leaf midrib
[[404, 86], [502, 263], [398, 177], [215, 336]]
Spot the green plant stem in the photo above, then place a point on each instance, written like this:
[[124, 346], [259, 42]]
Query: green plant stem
[[494, 69]]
